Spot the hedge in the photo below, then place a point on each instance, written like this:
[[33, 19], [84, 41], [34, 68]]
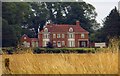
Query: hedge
[[64, 50]]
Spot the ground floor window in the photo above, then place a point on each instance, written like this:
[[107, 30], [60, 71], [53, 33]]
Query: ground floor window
[[45, 43], [26, 44], [59, 44], [71, 43], [63, 43], [83, 43]]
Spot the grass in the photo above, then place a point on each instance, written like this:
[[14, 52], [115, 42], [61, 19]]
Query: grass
[[100, 63], [103, 62]]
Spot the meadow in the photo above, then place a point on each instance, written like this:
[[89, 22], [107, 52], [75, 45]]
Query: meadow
[[103, 62], [100, 63]]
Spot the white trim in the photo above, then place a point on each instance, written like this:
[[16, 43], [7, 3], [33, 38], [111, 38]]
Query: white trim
[[83, 39], [46, 39], [71, 39]]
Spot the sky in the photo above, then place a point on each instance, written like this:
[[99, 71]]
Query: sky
[[103, 8]]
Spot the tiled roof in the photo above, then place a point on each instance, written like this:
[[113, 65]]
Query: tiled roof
[[64, 28], [34, 39]]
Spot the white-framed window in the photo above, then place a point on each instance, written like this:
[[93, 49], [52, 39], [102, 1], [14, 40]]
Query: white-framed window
[[26, 44], [63, 36], [83, 44], [36, 44], [71, 35], [58, 35], [45, 43], [71, 43], [24, 37], [82, 35], [46, 30], [63, 43], [70, 29], [59, 44], [33, 44], [54, 35], [46, 36]]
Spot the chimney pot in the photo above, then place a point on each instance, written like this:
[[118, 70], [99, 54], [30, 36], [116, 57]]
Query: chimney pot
[[77, 22]]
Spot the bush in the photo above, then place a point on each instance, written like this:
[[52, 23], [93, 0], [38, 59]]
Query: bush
[[38, 50], [10, 51]]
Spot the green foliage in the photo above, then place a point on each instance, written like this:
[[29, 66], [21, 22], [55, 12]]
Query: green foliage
[[64, 50], [8, 35], [26, 17], [111, 26], [10, 51]]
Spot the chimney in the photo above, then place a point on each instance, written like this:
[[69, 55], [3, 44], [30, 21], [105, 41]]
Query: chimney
[[77, 22]]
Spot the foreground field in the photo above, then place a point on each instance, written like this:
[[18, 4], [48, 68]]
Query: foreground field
[[100, 63]]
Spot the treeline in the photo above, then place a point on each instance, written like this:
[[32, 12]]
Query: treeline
[[19, 18], [110, 29]]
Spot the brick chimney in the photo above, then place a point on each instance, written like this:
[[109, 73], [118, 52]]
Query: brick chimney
[[77, 22]]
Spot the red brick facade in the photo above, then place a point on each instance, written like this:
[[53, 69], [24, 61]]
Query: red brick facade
[[64, 35], [28, 42]]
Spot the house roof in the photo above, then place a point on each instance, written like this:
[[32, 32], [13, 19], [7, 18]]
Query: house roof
[[64, 28], [34, 39]]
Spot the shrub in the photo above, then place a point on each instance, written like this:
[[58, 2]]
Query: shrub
[[10, 51], [38, 50]]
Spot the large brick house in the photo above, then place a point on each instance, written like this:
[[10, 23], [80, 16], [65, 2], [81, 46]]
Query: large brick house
[[63, 35], [59, 35]]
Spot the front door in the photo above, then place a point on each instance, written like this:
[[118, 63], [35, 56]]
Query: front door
[[83, 43]]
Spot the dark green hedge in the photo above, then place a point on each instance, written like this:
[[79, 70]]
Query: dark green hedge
[[64, 50]]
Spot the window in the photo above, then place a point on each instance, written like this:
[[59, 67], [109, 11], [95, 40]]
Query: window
[[24, 37], [58, 44], [83, 44], [54, 35], [71, 43], [71, 35], [63, 35], [63, 43], [71, 29], [58, 35], [36, 44], [33, 44], [45, 43], [46, 36], [46, 30], [54, 43], [82, 35]]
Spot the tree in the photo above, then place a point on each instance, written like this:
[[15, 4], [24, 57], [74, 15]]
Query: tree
[[8, 35], [111, 24]]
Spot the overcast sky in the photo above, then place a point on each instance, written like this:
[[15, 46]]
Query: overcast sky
[[103, 7]]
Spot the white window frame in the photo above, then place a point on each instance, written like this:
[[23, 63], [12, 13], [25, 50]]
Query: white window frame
[[25, 38], [63, 43], [82, 35], [58, 35], [54, 35], [63, 35], [71, 35], [59, 44], [70, 29]]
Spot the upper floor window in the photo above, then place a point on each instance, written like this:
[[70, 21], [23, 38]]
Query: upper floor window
[[71, 35], [82, 35], [46, 36], [54, 35], [46, 30], [71, 29], [63, 35], [58, 35], [24, 37]]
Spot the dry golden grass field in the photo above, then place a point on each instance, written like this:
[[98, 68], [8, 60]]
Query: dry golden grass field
[[98, 63]]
